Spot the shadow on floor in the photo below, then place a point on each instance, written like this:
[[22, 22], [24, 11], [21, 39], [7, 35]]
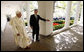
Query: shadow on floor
[[68, 40]]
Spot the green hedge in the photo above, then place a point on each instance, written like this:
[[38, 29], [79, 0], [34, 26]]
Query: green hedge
[[59, 21], [56, 27], [62, 21], [26, 24], [71, 22]]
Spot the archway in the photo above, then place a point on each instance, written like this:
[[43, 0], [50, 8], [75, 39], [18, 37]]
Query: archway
[[27, 10], [73, 12], [59, 14]]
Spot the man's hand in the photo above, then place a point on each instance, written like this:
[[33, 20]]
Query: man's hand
[[47, 20], [18, 34]]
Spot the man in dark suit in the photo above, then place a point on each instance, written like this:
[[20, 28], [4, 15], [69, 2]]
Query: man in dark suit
[[34, 23]]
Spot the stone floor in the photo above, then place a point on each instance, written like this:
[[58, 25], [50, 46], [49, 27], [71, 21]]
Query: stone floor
[[69, 40]]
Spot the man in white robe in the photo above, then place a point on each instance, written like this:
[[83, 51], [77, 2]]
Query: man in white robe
[[20, 34]]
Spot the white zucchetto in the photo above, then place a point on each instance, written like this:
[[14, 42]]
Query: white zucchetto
[[17, 12]]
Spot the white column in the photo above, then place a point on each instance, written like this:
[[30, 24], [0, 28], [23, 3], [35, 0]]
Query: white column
[[67, 19], [42, 13], [81, 18], [49, 15], [28, 11], [77, 13], [21, 8], [28, 15], [46, 11]]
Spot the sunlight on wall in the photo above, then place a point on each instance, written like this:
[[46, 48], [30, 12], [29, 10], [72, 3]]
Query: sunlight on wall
[[8, 8]]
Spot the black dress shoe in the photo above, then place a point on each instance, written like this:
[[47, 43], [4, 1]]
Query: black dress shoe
[[32, 40], [37, 40], [27, 47]]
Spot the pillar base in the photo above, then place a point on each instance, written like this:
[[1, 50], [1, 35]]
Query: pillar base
[[46, 34], [60, 30]]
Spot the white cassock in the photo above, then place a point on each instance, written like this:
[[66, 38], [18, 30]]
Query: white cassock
[[19, 27]]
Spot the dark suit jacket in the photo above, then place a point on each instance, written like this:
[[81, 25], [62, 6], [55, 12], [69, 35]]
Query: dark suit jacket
[[35, 22]]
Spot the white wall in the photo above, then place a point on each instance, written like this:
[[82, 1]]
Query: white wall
[[8, 7]]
